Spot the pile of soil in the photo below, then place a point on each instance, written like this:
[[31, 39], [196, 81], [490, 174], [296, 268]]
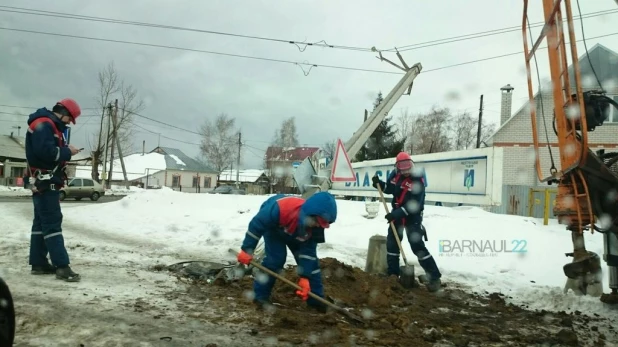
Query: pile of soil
[[395, 316]]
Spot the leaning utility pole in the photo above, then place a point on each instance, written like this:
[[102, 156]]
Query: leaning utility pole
[[238, 162], [109, 118], [310, 182], [124, 170], [478, 131]]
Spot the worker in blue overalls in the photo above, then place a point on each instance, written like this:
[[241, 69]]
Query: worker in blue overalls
[[47, 152]]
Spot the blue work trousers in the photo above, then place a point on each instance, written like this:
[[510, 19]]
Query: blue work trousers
[[275, 248], [46, 233], [414, 233]]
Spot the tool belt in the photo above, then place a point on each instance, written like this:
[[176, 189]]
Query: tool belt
[[40, 180]]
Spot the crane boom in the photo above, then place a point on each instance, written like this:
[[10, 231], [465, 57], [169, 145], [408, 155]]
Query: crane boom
[[587, 188]]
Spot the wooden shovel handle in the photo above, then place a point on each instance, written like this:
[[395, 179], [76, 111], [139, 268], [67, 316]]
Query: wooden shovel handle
[[290, 283], [393, 228]]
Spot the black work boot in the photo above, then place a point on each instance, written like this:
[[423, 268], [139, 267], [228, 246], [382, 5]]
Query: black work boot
[[46, 269], [434, 285], [66, 274]]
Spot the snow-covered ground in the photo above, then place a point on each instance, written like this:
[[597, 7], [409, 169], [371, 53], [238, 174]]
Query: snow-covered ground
[[113, 244], [14, 191], [20, 191]]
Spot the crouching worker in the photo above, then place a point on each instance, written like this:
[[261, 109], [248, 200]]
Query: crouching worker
[[295, 223], [408, 190]]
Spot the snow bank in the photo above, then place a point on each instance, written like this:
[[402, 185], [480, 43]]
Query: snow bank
[[122, 190], [211, 224], [14, 191]]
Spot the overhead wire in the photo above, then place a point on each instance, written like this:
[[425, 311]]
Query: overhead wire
[[487, 33], [300, 64], [298, 44], [586, 46]]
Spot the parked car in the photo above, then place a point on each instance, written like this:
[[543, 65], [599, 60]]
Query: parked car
[[79, 188], [227, 190], [7, 315]]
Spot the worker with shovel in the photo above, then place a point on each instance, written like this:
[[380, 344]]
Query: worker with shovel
[[408, 189], [295, 223]]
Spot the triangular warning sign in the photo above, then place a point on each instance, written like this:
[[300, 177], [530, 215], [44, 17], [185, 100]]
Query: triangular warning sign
[[342, 168]]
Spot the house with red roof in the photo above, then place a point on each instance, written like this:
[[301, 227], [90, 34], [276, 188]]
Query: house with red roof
[[280, 163]]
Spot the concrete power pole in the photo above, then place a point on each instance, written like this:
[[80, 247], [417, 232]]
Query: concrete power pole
[[124, 170], [478, 131], [238, 162], [109, 119]]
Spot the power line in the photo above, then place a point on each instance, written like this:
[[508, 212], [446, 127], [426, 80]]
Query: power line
[[482, 34], [298, 44], [165, 137], [299, 64], [279, 60], [505, 55], [14, 106]]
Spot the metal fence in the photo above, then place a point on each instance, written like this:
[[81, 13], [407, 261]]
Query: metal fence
[[531, 201]]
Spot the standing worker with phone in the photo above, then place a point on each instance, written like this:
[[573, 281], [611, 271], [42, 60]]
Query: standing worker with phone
[[47, 152]]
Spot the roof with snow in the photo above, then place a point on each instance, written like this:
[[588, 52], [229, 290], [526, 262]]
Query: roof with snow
[[289, 153], [137, 166], [175, 159], [140, 165], [248, 176], [12, 148]]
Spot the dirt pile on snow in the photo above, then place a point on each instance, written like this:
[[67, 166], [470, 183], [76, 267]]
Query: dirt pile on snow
[[395, 316]]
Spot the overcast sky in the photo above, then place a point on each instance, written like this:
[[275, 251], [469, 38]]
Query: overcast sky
[[184, 88]]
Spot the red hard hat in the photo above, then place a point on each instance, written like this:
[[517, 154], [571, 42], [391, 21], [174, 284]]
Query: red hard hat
[[403, 161], [71, 106]]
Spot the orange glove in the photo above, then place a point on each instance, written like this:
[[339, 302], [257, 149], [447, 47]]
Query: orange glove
[[303, 283], [244, 257]]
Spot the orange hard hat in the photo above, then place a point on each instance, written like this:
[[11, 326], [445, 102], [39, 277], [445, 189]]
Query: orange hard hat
[[403, 161], [71, 106]]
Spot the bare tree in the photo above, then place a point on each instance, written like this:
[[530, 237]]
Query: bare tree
[[405, 129], [110, 88], [286, 135], [329, 148], [219, 142], [464, 131], [431, 131], [404, 123], [128, 106]]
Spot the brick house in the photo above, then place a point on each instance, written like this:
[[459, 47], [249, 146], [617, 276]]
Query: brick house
[[515, 132]]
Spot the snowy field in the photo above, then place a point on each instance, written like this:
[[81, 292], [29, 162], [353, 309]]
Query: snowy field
[[114, 245]]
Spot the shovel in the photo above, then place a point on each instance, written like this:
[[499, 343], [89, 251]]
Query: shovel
[[406, 276], [339, 309]]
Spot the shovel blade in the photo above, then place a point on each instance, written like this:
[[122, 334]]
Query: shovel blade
[[406, 277]]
